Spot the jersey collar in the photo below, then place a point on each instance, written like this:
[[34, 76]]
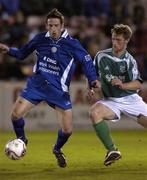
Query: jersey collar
[[64, 34], [123, 55]]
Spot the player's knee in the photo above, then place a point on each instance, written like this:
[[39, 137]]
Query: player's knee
[[95, 115], [142, 120], [15, 115], [67, 130]]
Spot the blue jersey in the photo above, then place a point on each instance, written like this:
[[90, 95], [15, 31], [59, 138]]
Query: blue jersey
[[56, 59]]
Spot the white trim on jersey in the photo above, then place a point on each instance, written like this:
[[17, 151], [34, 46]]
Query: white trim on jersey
[[64, 77], [135, 71], [113, 58], [110, 57], [34, 68], [47, 34], [64, 35]]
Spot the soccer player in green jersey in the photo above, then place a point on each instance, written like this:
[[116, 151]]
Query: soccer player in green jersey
[[120, 82]]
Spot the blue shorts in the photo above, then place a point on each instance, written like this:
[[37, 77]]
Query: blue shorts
[[39, 89]]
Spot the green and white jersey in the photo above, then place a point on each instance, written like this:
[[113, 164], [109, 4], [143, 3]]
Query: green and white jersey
[[109, 67]]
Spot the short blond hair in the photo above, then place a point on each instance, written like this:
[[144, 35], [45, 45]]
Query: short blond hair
[[122, 29]]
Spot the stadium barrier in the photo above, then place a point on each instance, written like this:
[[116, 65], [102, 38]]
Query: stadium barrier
[[42, 117]]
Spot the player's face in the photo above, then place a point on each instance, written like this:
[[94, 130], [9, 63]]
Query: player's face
[[54, 27], [119, 44]]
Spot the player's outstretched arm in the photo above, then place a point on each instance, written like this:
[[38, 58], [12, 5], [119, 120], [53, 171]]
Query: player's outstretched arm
[[3, 48]]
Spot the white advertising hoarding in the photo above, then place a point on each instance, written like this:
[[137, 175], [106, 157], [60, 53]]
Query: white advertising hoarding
[[43, 117]]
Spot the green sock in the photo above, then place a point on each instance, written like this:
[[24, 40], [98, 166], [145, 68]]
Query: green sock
[[103, 132]]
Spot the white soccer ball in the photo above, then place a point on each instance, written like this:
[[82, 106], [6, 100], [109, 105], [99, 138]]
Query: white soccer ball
[[15, 149]]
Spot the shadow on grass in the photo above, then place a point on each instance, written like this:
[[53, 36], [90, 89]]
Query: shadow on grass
[[79, 173]]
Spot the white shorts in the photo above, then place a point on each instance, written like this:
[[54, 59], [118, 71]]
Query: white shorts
[[131, 105]]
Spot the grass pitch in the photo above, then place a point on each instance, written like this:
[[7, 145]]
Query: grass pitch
[[85, 156]]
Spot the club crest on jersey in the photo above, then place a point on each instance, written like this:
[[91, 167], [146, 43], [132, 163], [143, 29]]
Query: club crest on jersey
[[87, 57], [54, 49]]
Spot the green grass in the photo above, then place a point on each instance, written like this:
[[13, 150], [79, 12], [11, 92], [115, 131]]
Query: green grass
[[85, 156]]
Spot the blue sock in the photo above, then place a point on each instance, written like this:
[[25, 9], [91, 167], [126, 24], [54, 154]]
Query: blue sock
[[18, 126], [61, 140]]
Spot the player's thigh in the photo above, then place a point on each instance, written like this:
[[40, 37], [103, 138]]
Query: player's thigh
[[99, 111], [20, 107], [142, 120], [65, 119]]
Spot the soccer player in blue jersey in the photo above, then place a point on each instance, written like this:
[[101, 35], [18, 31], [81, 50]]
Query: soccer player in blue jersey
[[120, 82], [57, 53]]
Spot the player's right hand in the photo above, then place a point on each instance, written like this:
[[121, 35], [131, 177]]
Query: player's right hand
[[3, 48], [117, 82], [95, 84]]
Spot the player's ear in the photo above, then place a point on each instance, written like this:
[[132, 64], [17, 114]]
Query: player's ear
[[127, 40], [62, 26], [46, 26]]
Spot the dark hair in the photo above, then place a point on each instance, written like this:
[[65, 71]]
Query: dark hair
[[54, 13], [125, 30]]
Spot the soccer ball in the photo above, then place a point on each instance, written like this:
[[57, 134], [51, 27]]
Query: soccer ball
[[15, 149]]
